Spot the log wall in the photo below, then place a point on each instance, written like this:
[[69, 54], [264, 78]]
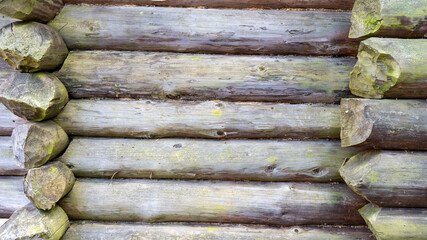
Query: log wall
[[12, 195]]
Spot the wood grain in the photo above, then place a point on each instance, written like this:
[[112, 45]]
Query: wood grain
[[7, 163], [12, 195], [8, 121]]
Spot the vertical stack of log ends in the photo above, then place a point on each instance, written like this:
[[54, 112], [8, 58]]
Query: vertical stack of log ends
[[392, 176], [36, 95]]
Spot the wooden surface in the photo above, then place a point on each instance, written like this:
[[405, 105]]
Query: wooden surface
[[8, 121], [390, 68], [205, 30], [120, 231], [12, 195], [396, 223], [268, 4], [115, 74], [205, 201], [265, 160], [5, 71], [389, 178], [385, 124], [7, 163], [150, 119], [39, 11]]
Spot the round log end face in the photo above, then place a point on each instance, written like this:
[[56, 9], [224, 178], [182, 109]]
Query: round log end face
[[30, 222], [31, 10], [36, 143], [46, 185], [34, 96], [356, 126], [366, 18], [32, 47]]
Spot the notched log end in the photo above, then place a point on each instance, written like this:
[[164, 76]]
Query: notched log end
[[369, 213], [365, 19], [35, 10], [356, 126]]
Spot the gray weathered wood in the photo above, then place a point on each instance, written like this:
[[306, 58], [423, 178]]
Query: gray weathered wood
[[389, 178], [386, 124], [125, 230], [265, 160], [8, 121], [12, 195], [112, 74], [32, 223], [33, 96], [47, 184], [36, 10], [2, 221], [205, 201], [32, 46], [389, 18], [390, 68], [151, 119], [268, 4], [5, 71], [35, 143], [396, 223], [6, 20], [205, 30], [7, 163]]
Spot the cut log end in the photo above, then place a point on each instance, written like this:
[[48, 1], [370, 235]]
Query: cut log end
[[39, 10], [46, 185], [366, 18], [355, 126], [369, 214]]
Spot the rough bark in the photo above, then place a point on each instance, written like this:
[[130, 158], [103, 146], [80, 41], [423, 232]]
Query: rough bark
[[389, 18], [119, 231], [265, 160], [47, 184], [386, 124], [36, 10], [389, 178], [390, 68], [7, 164], [32, 223], [36, 143], [8, 121], [12, 195], [32, 46], [266, 4], [33, 96], [118, 74], [205, 30], [204, 201], [396, 223], [150, 119]]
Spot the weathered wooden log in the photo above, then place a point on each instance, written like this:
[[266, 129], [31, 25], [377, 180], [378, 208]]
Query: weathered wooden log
[[266, 160], [396, 223], [32, 46], [5, 71], [389, 18], [205, 30], [33, 96], [390, 68], [8, 121], [266, 4], [12, 195], [119, 231], [3, 221], [112, 74], [37, 10], [47, 184], [36, 143], [32, 223], [7, 164], [387, 124], [389, 178], [150, 119], [5, 20], [204, 201]]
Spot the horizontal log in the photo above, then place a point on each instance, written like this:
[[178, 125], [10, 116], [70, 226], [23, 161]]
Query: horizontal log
[[391, 18], [267, 4], [204, 201], [390, 68], [7, 163], [150, 119], [5, 71], [389, 178], [266, 160], [8, 121], [118, 74], [396, 223], [2, 221], [385, 124], [119, 231], [5, 21], [12, 195], [205, 30]]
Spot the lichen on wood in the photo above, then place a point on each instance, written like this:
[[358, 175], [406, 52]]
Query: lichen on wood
[[31, 10]]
